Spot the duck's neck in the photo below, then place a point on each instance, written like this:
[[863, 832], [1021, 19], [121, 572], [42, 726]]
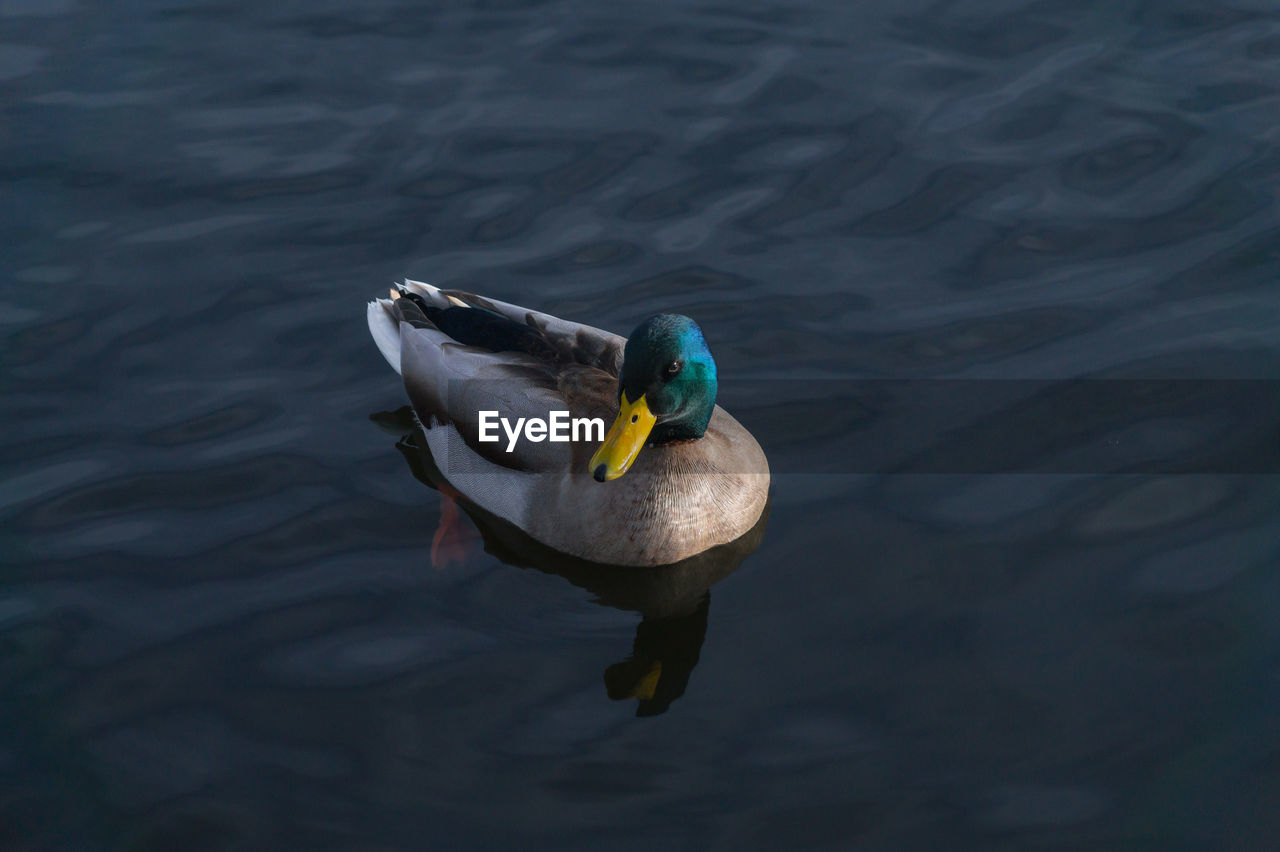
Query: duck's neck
[[690, 426], [673, 433]]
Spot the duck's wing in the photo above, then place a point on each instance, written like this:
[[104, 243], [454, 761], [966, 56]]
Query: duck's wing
[[572, 342], [525, 371]]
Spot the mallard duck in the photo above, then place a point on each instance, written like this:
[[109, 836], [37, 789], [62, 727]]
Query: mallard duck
[[674, 475]]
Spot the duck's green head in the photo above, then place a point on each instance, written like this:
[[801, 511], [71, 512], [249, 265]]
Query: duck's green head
[[666, 393]]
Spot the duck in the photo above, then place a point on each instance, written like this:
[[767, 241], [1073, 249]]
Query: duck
[[675, 474]]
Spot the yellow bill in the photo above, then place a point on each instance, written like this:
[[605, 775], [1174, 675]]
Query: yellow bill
[[625, 440]]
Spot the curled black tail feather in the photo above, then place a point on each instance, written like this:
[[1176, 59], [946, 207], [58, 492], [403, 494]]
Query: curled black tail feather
[[413, 309]]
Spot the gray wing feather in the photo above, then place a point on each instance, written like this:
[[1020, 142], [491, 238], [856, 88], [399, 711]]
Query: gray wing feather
[[449, 383], [573, 342]]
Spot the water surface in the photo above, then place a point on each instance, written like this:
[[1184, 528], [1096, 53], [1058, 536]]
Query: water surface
[[219, 623]]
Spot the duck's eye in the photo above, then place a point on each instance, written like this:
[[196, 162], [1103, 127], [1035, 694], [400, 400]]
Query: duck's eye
[[674, 368]]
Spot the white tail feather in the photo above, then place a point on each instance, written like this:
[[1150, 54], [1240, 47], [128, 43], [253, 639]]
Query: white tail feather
[[385, 331], [422, 288]]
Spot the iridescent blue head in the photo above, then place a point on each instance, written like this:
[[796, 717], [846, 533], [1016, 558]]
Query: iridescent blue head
[[666, 393]]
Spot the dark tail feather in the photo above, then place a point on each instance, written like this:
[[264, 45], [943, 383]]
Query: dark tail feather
[[413, 309]]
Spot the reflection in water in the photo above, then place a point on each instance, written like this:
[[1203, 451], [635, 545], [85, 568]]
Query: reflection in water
[[674, 600], [662, 658]]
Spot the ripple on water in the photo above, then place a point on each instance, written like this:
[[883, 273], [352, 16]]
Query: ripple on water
[[1207, 565], [182, 753], [187, 489], [1155, 503], [1028, 806], [1110, 168], [368, 654], [19, 60], [216, 424]]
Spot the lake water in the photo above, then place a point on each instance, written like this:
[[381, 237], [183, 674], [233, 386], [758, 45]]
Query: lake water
[[220, 624]]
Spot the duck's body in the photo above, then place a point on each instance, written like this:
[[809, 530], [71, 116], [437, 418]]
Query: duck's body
[[677, 498]]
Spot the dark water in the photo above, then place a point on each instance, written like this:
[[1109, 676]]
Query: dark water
[[219, 623]]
